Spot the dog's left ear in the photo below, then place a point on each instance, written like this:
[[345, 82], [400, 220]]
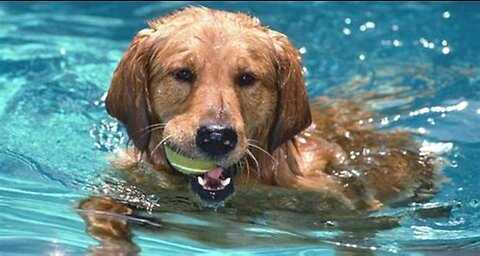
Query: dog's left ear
[[293, 111]]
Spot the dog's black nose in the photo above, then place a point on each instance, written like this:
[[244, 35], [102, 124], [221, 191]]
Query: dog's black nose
[[216, 140]]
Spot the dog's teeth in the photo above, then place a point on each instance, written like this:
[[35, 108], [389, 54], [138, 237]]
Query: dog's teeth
[[225, 182], [201, 181]]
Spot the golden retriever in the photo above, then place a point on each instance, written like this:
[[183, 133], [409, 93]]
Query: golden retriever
[[220, 86]]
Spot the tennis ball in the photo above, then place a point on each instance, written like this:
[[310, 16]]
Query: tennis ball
[[188, 165]]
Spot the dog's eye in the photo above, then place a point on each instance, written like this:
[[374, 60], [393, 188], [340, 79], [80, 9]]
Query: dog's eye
[[245, 79], [184, 75]]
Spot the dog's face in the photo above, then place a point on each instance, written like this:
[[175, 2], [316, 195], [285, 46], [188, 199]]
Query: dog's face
[[205, 88], [209, 84]]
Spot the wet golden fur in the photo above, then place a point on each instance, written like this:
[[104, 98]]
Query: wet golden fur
[[278, 143]]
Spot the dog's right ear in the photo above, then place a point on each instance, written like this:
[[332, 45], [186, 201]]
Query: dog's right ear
[[128, 99]]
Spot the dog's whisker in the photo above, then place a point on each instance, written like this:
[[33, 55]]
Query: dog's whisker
[[263, 151], [151, 128], [249, 153], [253, 140], [154, 126], [249, 171], [159, 144]]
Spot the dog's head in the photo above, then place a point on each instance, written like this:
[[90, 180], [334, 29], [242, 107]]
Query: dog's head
[[208, 85]]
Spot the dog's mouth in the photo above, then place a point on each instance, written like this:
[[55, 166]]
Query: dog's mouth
[[212, 184]]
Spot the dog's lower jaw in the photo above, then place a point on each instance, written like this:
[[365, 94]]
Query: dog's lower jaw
[[213, 188], [212, 198]]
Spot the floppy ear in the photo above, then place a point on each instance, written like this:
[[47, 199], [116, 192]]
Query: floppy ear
[[128, 99], [293, 111]]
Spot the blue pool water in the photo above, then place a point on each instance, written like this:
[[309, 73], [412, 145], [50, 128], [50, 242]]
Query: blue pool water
[[416, 63]]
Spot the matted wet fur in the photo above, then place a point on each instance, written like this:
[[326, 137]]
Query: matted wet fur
[[326, 147]]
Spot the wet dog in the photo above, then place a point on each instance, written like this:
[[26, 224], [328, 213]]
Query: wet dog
[[219, 87]]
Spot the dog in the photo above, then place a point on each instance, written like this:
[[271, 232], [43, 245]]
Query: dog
[[219, 86]]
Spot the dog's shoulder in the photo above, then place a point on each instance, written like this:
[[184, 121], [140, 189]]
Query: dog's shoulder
[[370, 167]]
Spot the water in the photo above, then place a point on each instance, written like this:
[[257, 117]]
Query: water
[[416, 63]]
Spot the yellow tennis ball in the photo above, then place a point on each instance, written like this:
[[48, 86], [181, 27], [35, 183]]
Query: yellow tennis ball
[[188, 165]]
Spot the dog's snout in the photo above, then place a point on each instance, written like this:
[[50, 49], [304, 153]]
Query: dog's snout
[[216, 140]]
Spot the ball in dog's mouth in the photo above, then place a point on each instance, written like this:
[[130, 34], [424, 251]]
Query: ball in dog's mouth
[[211, 183]]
